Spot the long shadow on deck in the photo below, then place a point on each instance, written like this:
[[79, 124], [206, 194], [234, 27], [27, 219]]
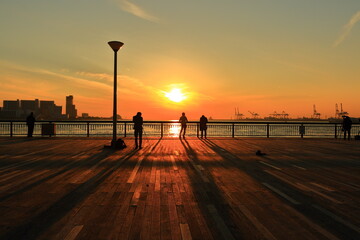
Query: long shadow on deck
[[216, 205], [70, 165], [32, 228], [307, 207], [17, 140]]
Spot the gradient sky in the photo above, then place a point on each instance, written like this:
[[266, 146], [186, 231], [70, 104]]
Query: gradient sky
[[257, 55]]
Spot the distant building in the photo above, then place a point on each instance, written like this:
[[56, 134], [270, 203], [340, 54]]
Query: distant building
[[29, 106], [11, 109], [58, 111], [71, 111], [20, 109], [85, 115], [11, 105], [48, 110]]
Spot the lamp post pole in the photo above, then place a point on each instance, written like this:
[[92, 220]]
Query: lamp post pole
[[115, 45]]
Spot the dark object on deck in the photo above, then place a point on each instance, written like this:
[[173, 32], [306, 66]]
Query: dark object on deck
[[48, 129], [119, 144], [357, 137], [259, 153]]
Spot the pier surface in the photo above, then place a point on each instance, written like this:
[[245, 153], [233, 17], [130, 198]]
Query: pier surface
[[73, 188]]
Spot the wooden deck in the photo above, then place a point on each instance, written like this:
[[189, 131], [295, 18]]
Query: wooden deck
[[68, 188]]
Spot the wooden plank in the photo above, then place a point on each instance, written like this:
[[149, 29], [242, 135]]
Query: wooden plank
[[185, 231], [74, 232], [134, 172], [259, 226], [174, 220], [293, 201]]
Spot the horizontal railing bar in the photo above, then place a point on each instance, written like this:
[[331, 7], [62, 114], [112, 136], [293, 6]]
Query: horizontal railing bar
[[210, 122]]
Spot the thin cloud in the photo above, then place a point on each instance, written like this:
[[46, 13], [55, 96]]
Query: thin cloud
[[136, 10], [79, 82], [347, 29]]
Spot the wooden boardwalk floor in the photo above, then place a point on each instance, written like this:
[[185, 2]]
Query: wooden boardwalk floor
[[72, 188]]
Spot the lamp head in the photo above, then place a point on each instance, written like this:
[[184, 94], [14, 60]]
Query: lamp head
[[115, 45]]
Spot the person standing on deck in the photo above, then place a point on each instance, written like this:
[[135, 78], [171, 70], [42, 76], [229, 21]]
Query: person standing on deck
[[346, 126], [203, 125], [183, 120], [138, 129], [30, 122]]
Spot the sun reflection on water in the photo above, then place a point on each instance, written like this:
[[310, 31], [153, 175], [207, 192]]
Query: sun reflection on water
[[174, 129]]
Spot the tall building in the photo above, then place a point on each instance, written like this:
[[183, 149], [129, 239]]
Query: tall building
[[71, 111]]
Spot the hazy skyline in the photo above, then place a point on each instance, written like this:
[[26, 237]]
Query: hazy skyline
[[260, 56]]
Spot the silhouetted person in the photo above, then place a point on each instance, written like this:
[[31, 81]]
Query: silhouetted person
[[138, 129], [346, 126], [30, 122], [183, 120], [203, 125]]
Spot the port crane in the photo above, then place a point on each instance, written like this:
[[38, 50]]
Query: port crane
[[254, 115], [274, 115], [339, 114], [315, 115], [282, 115], [238, 115]]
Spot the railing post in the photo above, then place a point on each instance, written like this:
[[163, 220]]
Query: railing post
[[162, 130], [11, 128], [302, 130], [335, 130], [233, 130], [197, 129], [50, 124], [88, 129], [268, 130], [124, 129]]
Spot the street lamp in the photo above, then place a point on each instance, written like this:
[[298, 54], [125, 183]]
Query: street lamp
[[115, 45]]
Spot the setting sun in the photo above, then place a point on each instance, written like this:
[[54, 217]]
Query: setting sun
[[175, 95]]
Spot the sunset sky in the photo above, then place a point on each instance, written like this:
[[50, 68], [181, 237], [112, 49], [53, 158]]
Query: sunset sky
[[258, 55]]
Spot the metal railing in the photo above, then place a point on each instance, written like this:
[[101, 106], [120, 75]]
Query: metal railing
[[171, 129]]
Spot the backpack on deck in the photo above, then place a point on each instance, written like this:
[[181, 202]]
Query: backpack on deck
[[120, 144], [357, 137]]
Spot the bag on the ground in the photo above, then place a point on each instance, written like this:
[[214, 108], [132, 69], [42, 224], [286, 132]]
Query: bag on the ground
[[357, 137], [120, 144]]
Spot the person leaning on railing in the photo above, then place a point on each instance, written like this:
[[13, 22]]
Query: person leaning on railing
[[346, 126], [203, 125], [138, 129], [30, 122], [183, 120]]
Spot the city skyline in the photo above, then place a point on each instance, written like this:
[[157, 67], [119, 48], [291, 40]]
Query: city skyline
[[42, 109], [25, 106], [199, 58]]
